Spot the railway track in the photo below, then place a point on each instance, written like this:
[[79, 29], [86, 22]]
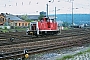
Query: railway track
[[25, 40], [22, 38], [41, 46], [16, 48], [18, 35], [38, 42]]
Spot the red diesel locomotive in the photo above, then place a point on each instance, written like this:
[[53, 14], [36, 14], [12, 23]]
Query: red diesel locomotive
[[45, 26]]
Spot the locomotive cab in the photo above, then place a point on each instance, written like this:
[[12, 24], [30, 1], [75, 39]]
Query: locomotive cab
[[33, 28]]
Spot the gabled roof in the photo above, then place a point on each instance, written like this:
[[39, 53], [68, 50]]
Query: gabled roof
[[12, 17], [35, 17], [31, 17]]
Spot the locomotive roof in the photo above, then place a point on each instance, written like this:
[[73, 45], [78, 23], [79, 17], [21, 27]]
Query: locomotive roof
[[51, 17]]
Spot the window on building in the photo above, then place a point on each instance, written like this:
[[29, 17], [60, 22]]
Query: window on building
[[19, 24], [25, 24], [22, 24], [3, 19], [0, 19], [15, 24], [28, 24]]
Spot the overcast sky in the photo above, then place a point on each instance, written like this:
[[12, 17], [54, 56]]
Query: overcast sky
[[35, 6]]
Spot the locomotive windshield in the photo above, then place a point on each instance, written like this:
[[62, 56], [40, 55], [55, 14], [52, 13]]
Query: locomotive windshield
[[47, 19]]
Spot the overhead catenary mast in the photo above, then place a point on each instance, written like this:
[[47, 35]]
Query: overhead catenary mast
[[55, 13], [22, 3], [16, 4], [47, 10]]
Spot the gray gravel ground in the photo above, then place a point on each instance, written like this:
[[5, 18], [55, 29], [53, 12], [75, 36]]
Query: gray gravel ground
[[53, 55]]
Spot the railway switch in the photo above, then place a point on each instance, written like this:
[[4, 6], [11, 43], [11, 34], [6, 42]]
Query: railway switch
[[26, 55]]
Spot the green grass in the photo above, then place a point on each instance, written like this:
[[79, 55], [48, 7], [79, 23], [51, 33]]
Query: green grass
[[78, 53], [72, 56], [11, 30], [4, 30], [66, 28], [88, 50], [66, 57]]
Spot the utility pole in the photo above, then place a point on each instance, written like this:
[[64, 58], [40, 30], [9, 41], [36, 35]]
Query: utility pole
[[72, 13], [55, 13], [47, 11]]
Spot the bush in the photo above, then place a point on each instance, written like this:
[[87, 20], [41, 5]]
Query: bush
[[5, 27]]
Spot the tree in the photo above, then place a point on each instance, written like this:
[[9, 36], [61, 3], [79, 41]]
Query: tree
[[24, 17], [65, 24], [41, 16]]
